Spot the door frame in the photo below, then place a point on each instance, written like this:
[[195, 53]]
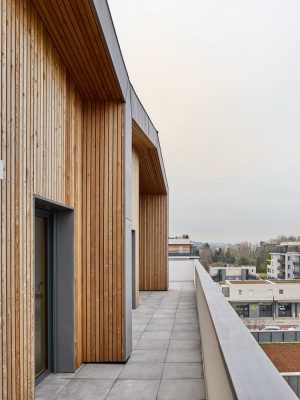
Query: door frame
[[133, 261], [48, 215], [63, 284]]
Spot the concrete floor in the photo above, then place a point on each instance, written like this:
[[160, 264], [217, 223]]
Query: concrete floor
[[166, 362]]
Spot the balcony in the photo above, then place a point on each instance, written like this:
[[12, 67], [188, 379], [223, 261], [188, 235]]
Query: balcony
[[176, 357], [183, 254]]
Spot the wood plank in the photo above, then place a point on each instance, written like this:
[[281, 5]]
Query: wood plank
[[3, 208], [70, 149], [153, 242]]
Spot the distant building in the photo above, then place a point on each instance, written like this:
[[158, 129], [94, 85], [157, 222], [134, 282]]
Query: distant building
[[182, 247], [285, 261], [264, 298], [222, 272]]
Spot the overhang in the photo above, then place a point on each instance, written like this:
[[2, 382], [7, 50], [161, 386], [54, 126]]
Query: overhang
[[146, 141], [84, 34]]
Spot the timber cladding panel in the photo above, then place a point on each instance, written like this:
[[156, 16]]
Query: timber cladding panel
[[36, 96], [56, 145], [153, 213], [153, 242], [74, 27], [102, 225]]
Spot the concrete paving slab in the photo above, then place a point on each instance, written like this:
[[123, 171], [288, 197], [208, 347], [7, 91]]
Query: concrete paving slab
[[100, 371], [142, 371], [134, 390], [179, 389], [148, 356], [182, 355], [182, 371], [152, 344], [86, 389]]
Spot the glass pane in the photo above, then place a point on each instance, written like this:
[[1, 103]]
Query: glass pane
[[40, 295]]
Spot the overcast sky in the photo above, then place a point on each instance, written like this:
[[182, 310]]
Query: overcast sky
[[221, 83]]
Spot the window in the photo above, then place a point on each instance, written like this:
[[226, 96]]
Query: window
[[265, 310], [280, 291], [240, 292], [284, 310], [242, 310]]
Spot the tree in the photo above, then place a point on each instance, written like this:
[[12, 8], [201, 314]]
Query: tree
[[205, 255], [219, 255], [229, 257]]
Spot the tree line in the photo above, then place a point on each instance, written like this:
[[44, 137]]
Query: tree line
[[244, 253]]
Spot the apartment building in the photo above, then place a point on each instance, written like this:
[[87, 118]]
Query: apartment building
[[264, 298], [83, 194], [182, 247], [285, 261], [222, 272]]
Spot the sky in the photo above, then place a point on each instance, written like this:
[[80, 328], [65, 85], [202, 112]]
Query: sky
[[221, 83]]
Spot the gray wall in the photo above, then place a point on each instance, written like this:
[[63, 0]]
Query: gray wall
[[294, 382]]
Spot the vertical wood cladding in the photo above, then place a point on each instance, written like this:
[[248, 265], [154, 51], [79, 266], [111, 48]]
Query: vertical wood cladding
[[38, 149], [67, 150], [153, 242], [102, 227]]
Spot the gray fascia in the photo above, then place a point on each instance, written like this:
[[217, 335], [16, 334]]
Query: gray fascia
[[106, 25]]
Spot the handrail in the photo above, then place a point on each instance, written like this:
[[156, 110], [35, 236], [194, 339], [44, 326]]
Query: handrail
[[183, 254], [235, 367]]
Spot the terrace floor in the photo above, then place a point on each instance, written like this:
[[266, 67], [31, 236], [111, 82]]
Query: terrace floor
[[165, 364]]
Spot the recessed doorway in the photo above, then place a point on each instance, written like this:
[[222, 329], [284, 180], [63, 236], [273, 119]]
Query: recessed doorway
[[54, 314], [43, 295]]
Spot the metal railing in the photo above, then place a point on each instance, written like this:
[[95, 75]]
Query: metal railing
[[235, 367], [276, 336], [187, 254]]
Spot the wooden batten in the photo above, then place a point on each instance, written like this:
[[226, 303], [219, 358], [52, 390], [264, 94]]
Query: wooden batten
[[153, 242], [62, 147], [102, 227], [151, 177], [153, 213], [62, 138], [75, 31]]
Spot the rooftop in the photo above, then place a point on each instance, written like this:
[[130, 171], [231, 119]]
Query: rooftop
[[170, 349], [249, 282], [166, 361], [285, 356], [179, 241], [289, 244]]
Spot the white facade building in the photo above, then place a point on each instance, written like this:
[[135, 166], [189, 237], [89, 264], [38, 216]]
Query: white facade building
[[263, 298], [232, 272], [285, 263]]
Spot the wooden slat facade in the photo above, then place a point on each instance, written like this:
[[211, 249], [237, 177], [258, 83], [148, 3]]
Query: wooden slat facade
[[153, 242], [151, 177], [102, 234], [64, 148], [62, 139], [73, 25], [153, 214]]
